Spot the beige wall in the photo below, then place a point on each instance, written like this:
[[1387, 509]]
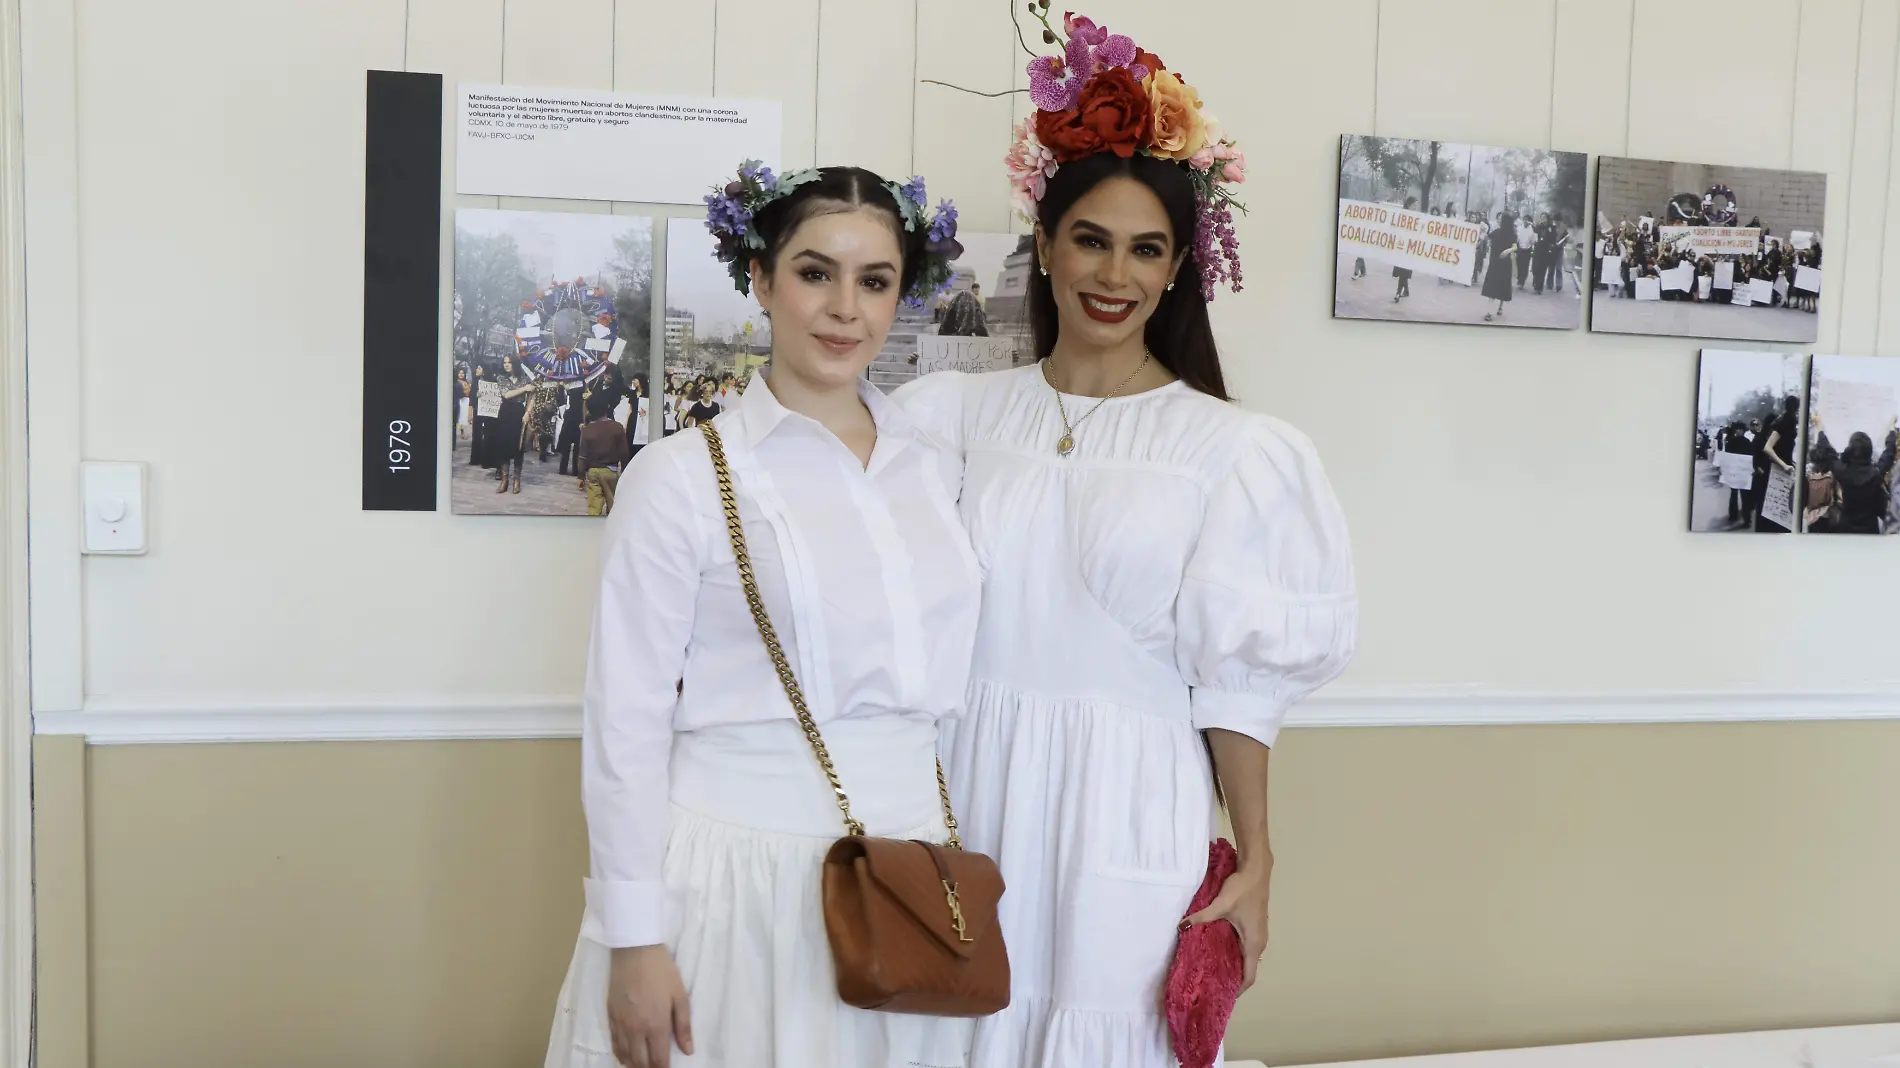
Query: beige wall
[[413, 904]]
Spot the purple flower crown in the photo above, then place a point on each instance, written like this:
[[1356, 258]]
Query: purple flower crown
[[731, 209]]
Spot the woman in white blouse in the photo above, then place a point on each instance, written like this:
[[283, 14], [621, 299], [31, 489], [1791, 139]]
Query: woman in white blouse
[[703, 942], [1164, 574]]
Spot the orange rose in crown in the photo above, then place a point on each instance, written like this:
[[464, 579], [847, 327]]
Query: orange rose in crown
[[1180, 130], [1113, 114]]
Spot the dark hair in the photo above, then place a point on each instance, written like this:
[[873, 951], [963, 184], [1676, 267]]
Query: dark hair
[[1178, 333], [836, 189], [1860, 450], [601, 405], [1791, 405]]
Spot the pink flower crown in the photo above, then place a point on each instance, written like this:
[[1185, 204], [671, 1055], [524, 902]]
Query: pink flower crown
[[1106, 94]]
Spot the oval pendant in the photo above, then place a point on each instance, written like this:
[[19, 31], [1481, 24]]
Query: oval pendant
[[1065, 446]]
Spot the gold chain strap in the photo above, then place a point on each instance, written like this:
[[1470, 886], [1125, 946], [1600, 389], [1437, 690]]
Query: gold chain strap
[[729, 501]]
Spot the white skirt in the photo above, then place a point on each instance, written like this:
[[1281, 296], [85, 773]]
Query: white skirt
[[1099, 815], [752, 820]]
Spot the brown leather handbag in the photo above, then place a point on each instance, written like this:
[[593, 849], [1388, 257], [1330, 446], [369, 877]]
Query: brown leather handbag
[[912, 925]]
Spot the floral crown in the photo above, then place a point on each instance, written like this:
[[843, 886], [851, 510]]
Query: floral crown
[[1106, 94], [731, 209]]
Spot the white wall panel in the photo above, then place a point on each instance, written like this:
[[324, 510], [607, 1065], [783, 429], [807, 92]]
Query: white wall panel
[[768, 49], [1436, 59], [558, 43], [960, 139], [664, 46], [1857, 256], [458, 39], [1679, 112], [867, 85], [1590, 109], [1822, 138]]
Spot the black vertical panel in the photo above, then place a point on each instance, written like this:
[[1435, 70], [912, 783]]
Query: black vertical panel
[[402, 270]]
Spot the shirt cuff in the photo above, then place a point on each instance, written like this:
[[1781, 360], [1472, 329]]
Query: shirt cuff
[[1255, 715], [622, 914]]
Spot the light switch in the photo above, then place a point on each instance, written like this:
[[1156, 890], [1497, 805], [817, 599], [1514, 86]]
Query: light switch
[[113, 495]]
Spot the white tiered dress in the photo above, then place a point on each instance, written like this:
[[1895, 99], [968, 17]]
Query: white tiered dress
[[1186, 568]]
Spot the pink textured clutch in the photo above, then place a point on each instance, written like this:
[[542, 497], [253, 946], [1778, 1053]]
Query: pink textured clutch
[[1204, 982]]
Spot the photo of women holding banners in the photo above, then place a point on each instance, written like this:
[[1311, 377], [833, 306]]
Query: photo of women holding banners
[[1747, 436], [1438, 232], [1692, 250], [1853, 410]]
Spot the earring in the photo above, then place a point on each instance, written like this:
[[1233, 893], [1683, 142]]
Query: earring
[[1170, 287], [1044, 270]]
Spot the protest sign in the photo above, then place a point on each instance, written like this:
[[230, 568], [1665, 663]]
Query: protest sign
[[1429, 244], [1712, 240]]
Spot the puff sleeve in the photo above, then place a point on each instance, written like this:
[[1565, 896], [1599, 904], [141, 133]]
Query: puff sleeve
[[934, 402], [1267, 612]]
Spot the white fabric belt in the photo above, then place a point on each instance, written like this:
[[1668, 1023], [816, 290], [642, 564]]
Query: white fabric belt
[[764, 776]]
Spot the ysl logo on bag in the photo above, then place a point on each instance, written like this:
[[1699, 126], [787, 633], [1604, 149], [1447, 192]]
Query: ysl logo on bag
[[956, 911]]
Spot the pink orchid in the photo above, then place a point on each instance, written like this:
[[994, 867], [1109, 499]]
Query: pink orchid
[[1080, 56], [1053, 84], [1116, 51], [1075, 25]]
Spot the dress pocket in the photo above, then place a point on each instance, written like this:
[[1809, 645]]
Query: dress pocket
[[1115, 937]]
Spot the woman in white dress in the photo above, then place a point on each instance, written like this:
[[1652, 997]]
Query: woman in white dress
[[708, 817], [1164, 574]]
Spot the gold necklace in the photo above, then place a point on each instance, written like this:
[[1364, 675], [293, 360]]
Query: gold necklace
[[1067, 444]]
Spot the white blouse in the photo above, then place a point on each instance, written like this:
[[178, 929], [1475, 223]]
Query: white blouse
[[1189, 558], [865, 572]]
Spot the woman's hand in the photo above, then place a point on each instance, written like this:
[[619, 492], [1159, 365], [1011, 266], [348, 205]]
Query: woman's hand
[[1242, 902], [646, 1007]]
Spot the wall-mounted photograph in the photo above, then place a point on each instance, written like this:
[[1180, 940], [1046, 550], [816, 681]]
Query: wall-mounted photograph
[[1696, 250], [1747, 436], [1853, 408], [716, 337], [551, 321], [1443, 232], [981, 323]]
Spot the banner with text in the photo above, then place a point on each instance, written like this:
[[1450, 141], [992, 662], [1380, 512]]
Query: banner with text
[[1777, 502], [1842, 407], [1429, 244], [1712, 240], [972, 354], [582, 144]]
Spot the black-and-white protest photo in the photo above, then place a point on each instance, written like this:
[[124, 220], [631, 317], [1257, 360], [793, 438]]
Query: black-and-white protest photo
[[1441, 232], [1695, 250], [979, 323], [1853, 409], [551, 326], [1747, 438]]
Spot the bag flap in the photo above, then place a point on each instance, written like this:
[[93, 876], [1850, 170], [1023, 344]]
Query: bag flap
[[907, 872]]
